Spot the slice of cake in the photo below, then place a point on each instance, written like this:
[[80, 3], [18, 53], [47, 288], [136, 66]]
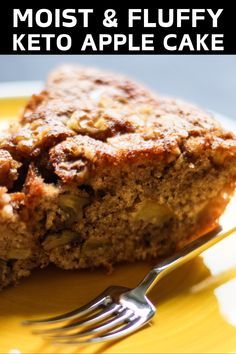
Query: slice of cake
[[99, 171]]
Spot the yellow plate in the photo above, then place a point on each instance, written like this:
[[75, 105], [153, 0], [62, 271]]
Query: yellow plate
[[196, 304]]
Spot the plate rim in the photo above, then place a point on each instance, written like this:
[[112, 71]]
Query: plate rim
[[13, 89]]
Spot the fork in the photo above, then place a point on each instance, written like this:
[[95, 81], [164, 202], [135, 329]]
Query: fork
[[120, 311]]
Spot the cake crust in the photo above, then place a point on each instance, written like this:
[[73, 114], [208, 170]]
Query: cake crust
[[79, 101]]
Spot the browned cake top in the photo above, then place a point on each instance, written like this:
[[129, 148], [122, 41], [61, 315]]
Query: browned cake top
[[88, 115]]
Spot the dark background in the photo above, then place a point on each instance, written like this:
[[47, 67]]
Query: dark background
[[209, 81]]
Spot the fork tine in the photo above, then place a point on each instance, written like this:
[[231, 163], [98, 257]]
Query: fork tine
[[112, 323], [91, 320], [123, 331], [119, 333], [77, 313]]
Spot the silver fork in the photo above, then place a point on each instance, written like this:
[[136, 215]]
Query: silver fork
[[120, 311]]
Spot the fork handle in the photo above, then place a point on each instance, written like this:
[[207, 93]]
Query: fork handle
[[189, 252]]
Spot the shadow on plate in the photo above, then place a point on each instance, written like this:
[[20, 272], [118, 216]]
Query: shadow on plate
[[51, 291]]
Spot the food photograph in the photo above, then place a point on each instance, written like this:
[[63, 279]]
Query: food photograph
[[117, 203]]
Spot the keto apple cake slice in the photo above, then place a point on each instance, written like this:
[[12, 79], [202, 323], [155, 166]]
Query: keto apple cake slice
[[99, 170]]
